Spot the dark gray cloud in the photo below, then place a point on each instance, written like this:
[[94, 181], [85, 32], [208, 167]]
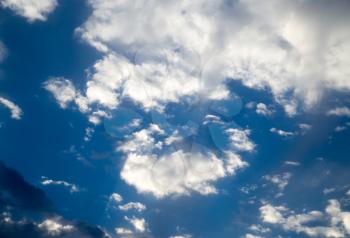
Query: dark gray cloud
[[26, 211]]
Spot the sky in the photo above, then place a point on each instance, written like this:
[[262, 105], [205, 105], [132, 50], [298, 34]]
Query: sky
[[174, 119]]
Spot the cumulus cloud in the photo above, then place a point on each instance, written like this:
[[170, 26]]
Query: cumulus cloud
[[240, 139], [151, 168], [275, 45], [32, 10], [16, 111], [53, 227], [335, 222], [139, 224]]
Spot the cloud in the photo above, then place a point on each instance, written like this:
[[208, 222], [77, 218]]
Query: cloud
[[252, 236], [153, 167], [16, 111], [181, 236], [49, 228], [71, 187], [123, 232], [292, 163], [339, 111], [239, 139], [275, 45], [335, 222], [54, 228], [21, 193], [271, 214], [282, 132], [26, 211], [262, 109], [281, 180], [115, 197], [139, 224], [32, 10], [64, 92], [132, 206]]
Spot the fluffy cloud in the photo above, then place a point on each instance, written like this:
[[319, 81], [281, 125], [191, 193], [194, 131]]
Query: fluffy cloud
[[33, 10], [16, 111], [115, 197], [53, 227], [275, 45], [240, 139], [338, 221], [262, 109], [139, 224], [151, 166], [280, 180]]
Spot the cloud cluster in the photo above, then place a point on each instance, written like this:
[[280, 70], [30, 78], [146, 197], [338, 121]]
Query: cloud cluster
[[332, 223], [32, 10], [174, 49], [26, 211], [153, 166]]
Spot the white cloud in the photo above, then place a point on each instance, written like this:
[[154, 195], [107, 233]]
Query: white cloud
[[150, 168], [181, 236], [336, 223], [339, 111], [16, 111], [239, 139], [262, 109], [277, 45], [139, 224], [252, 236], [53, 227], [115, 197], [282, 132], [71, 187], [271, 214], [132, 206], [280, 180], [65, 93], [33, 10], [123, 231]]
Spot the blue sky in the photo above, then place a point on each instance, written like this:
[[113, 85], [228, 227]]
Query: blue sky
[[174, 119]]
